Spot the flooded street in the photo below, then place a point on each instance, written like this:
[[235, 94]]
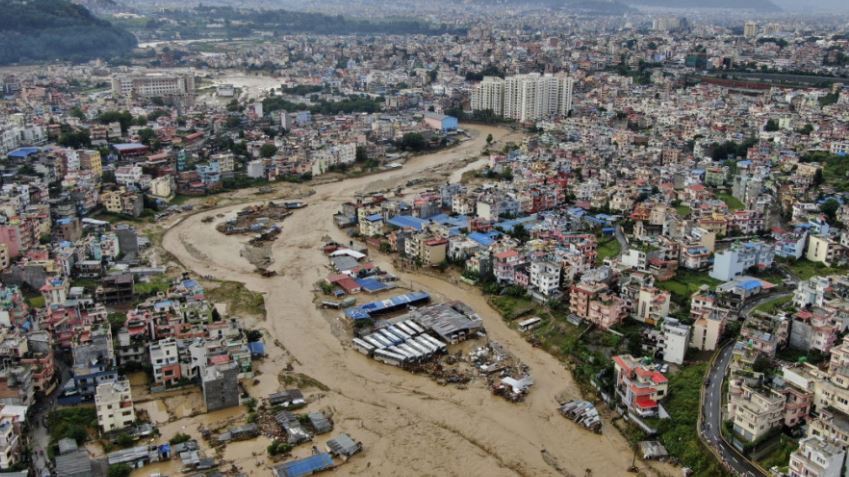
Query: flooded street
[[409, 424]]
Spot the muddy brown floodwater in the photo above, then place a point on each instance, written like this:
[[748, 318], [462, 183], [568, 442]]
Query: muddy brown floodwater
[[409, 424]]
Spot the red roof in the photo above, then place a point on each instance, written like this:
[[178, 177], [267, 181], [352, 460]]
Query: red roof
[[621, 363], [658, 378], [219, 359], [507, 254], [638, 391], [645, 402], [345, 282]]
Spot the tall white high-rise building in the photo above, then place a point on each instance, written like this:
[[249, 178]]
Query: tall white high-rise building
[[750, 29], [489, 95], [526, 97]]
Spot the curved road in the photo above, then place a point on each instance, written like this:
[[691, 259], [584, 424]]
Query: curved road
[[712, 406]]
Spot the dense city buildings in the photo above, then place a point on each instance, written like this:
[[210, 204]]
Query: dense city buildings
[[223, 224]]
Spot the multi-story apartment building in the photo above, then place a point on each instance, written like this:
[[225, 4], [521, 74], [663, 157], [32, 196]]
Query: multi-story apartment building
[[816, 457], [638, 387], [652, 305], [814, 329], [528, 97], [489, 95], [811, 292], [592, 301], [545, 277], [740, 257], [164, 358], [114, 404], [152, 85], [825, 250], [755, 413]]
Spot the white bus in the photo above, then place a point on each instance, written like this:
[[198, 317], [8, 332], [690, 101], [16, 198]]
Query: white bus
[[389, 357], [529, 324], [363, 347]]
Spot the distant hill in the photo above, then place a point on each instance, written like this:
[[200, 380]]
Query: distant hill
[[45, 30], [758, 5]]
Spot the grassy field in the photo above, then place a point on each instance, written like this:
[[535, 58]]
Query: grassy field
[[780, 456], [152, 286], [732, 202], [512, 307], [607, 249], [75, 422], [686, 283], [239, 299], [805, 269], [774, 305], [682, 210]]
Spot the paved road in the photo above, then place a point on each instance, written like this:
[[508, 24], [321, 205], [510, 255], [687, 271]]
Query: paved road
[[712, 426], [39, 436], [712, 409], [620, 237]]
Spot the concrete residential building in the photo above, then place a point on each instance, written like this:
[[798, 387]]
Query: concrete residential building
[[528, 97], [652, 305], [221, 386], [706, 333], [638, 387], [545, 277], [489, 95], [152, 85], [755, 413], [816, 457], [676, 339], [740, 257], [114, 404], [164, 359], [825, 250]]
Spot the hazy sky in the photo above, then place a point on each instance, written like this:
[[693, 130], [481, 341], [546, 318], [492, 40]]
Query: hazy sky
[[809, 5]]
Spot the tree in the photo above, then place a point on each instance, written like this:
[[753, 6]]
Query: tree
[[147, 135], [77, 113], [122, 117], [771, 126], [818, 179], [362, 154], [75, 139], [761, 364], [488, 139], [179, 438], [268, 150], [116, 321], [120, 470], [829, 208], [806, 130], [412, 141], [520, 233]]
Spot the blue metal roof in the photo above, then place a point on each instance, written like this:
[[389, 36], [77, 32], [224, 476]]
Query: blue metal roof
[[458, 221], [484, 239], [374, 218], [365, 311], [370, 284], [23, 152], [750, 284], [508, 225], [306, 466], [257, 348], [404, 221], [128, 146]]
